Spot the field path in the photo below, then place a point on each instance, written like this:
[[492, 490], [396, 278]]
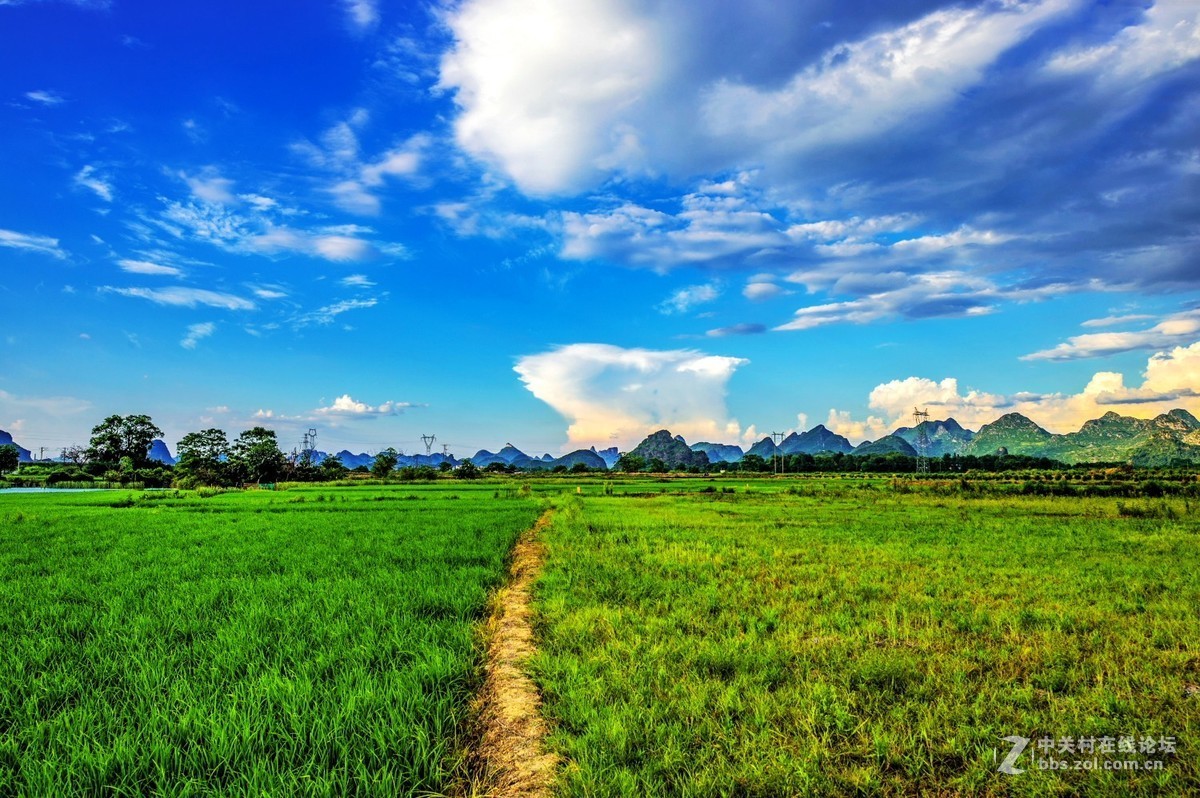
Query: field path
[[509, 759]]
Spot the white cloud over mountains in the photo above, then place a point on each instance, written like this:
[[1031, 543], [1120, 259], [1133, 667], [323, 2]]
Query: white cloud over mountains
[[615, 396], [1171, 379], [347, 406]]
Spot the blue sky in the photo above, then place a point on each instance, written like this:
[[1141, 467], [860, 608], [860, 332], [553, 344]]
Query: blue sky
[[565, 224]]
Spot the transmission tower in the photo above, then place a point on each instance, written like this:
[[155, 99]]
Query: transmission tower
[[308, 446], [777, 462], [919, 417], [428, 440]]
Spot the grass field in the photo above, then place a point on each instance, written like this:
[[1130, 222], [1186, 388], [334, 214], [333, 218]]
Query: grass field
[[307, 642], [727, 637], [844, 638]]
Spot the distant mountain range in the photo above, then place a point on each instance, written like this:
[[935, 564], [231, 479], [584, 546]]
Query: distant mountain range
[[1112, 438], [719, 452]]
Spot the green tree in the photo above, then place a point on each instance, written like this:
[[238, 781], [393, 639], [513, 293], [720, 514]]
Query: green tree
[[333, 468], [466, 470], [255, 456], [9, 458], [202, 457], [123, 436], [385, 462], [657, 466], [631, 463]]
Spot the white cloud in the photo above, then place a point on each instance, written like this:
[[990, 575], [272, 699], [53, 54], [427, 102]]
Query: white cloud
[[45, 97], [859, 89], [604, 391], [561, 96], [545, 87], [256, 232], [209, 186], [356, 179], [35, 420], [147, 267], [362, 14], [87, 178], [759, 290], [32, 243], [918, 296], [184, 297], [685, 299], [1113, 321], [1167, 36], [710, 229], [1171, 379], [348, 407], [357, 281], [329, 313], [1175, 329], [196, 333]]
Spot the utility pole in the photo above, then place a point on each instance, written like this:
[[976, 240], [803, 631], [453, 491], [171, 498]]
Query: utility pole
[[777, 438], [919, 419]]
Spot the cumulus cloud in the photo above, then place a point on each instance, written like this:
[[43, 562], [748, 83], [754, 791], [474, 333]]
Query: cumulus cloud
[[196, 333], [1171, 379], [346, 406], [604, 391], [844, 142], [545, 87], [31, 243], [184, 297], [759, 290], [1175, 329], [561, 96]]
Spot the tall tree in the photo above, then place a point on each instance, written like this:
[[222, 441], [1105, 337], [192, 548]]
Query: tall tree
[[385, 461], [9, 458], [332, 467], [256, 457], [202, 456], [123, 436]]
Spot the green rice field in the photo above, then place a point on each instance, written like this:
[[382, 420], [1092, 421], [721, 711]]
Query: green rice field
[[697, 637], [849, 638], [305, 642]]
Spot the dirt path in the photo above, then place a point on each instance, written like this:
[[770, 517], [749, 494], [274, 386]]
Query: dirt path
[[509, 759]]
